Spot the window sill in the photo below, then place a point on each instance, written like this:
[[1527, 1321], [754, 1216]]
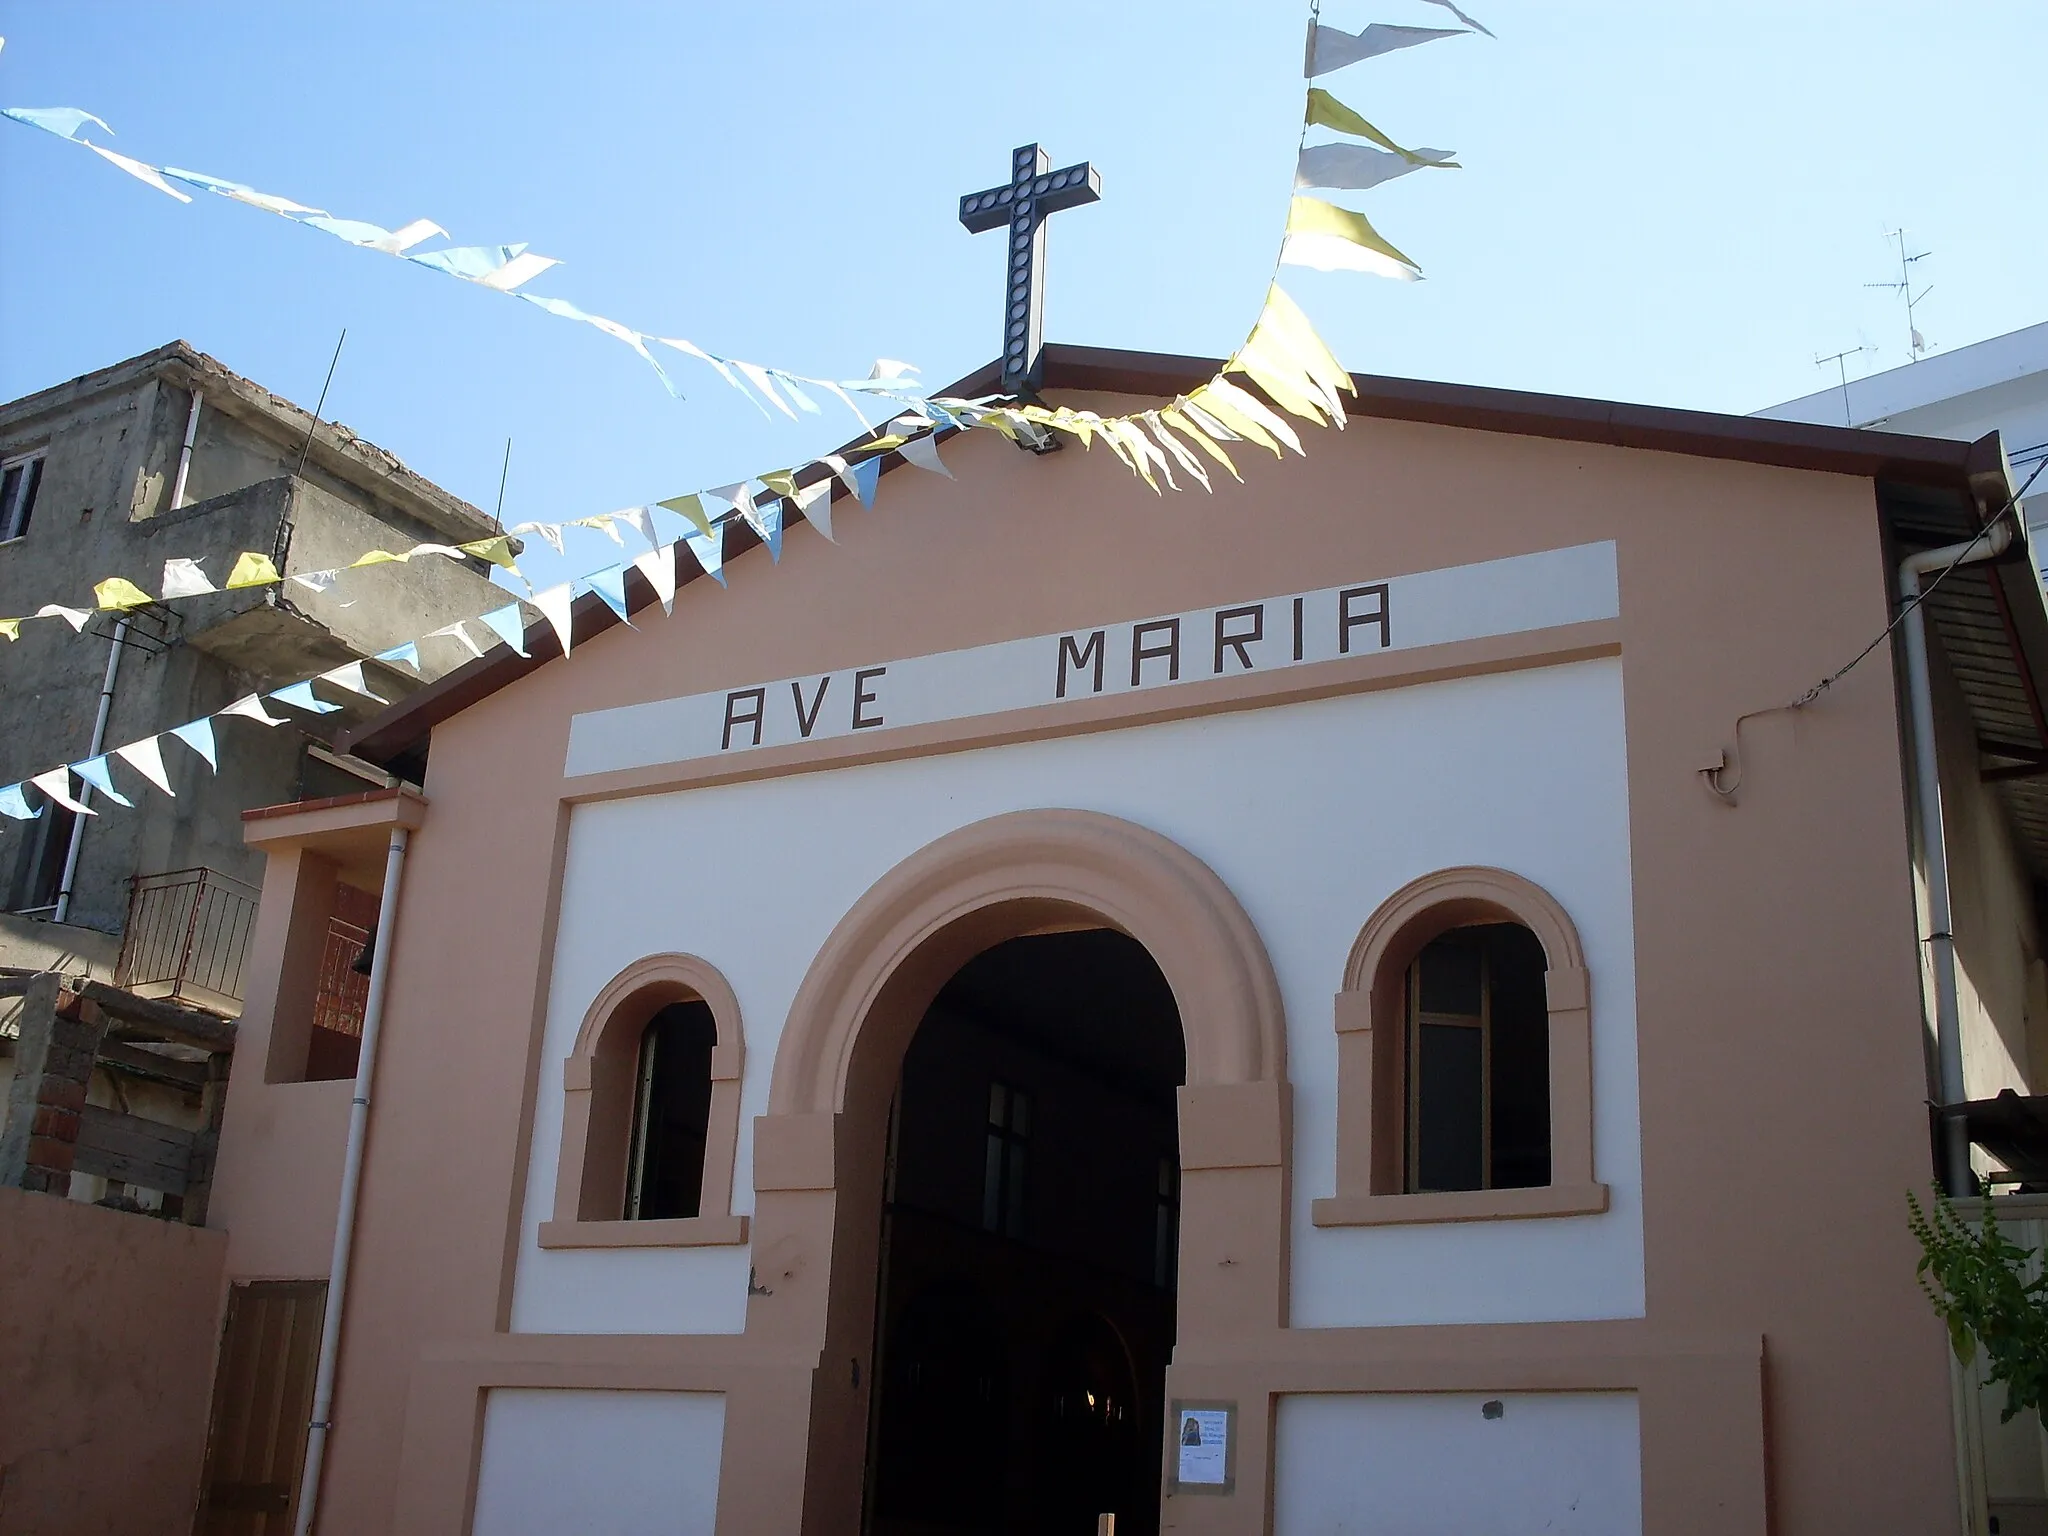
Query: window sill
[[1461, 1205], [677, 1232]]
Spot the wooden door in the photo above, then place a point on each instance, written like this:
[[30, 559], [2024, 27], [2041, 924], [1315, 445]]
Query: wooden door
[[262, 1399]]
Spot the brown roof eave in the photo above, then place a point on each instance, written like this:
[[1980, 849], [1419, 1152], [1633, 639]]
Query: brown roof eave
[[403, 728]]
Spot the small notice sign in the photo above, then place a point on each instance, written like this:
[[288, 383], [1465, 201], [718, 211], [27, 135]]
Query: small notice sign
[[1203, 1448]]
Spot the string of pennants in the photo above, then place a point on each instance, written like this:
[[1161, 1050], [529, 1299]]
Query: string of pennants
[[502, 269], [1283, 357]]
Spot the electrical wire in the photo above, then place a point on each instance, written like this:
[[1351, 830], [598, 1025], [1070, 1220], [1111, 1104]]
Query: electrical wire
[[1712, 776]]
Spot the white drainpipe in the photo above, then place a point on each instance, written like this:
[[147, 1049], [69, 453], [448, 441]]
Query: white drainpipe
[[1948, 1033], [351, 1179], [185, 452], [99, 724]]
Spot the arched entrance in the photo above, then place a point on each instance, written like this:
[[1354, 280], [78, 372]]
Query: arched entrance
[[820, 1152], [1024, 1318]]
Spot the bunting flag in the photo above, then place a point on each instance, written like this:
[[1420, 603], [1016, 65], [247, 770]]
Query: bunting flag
[[1330, 49], [1283, 358], [1476, 26], [94, 771]]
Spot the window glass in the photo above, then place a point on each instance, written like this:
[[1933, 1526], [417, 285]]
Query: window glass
[[18, 486], [672, 1113], [1002, 1177], [1478, 1062]]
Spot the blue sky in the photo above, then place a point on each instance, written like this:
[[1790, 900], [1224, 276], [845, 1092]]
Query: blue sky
[[1675, 203]]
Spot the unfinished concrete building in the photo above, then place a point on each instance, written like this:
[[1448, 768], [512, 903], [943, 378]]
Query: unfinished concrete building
[[171, 455]]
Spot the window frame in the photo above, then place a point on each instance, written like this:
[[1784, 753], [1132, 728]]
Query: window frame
[[9, 531], [599, 1082], [1373, 1025]]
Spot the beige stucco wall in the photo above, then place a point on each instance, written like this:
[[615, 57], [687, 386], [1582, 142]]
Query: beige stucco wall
[[107, 1330], [1780, 1032]]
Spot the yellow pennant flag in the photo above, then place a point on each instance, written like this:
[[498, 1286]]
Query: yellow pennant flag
[[781, 481], [254, 570], [1313, 216], [10, 629], [1286, 328], [880, 444], [1208, 401], [1181, 423], [498, 550], [692, 508], [372, 557], [1326, 111], [1279, 378], [118, 592], [1250, 407]]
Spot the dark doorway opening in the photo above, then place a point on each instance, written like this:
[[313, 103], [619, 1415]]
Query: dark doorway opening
[[1030, 1217]]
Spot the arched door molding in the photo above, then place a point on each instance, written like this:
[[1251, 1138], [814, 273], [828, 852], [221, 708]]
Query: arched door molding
[[818, 1152]]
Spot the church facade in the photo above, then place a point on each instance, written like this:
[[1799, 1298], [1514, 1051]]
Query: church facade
[[1238, 1013]]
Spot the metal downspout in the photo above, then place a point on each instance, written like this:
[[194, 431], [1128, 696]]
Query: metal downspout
[[1940, 940], [351, 1180], [99, 724]]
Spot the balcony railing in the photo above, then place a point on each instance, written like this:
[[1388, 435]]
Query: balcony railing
[[187, 938]]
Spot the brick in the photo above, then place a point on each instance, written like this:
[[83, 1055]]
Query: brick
[[47, 1153], [61, 1093], [56, 1124]]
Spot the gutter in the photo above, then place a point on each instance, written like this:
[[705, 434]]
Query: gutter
[[1940, 938], [351, 1184]]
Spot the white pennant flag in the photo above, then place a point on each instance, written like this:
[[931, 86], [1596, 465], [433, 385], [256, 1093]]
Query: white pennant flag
[[838, 465], [815, 503], [923, 451], [57, 785], [250, 707], [456, 631], [758, 377], [146, 757], [350, 677], [183, 578], [75, 617], [139, 171], [551, 532], [555, 605], [317, 581], [640, 522], [658, 565]]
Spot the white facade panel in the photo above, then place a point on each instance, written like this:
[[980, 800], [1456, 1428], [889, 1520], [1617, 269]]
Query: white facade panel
[[1313, 814], [1459, 1464], [599, 1463]]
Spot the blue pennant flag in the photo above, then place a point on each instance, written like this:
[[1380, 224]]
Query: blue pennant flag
[[300, 696], [508, 624], [94, 771], [198, 735], [610, 584], [14, 803], [867, 474]]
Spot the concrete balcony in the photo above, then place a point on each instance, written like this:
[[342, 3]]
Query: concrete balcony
[[285, 632]]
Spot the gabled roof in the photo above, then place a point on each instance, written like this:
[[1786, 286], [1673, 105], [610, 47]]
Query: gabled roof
[[1964, 476]]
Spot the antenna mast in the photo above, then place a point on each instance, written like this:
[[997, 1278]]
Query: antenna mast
[[1916, 344]]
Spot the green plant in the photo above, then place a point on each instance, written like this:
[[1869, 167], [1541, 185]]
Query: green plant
[[1979, 1284]]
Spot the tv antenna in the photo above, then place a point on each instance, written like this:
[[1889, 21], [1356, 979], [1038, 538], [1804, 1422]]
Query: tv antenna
[[1916, 344], [1841, 362]]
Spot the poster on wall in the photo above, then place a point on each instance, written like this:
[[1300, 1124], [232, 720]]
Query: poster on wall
[[1202, 1447]]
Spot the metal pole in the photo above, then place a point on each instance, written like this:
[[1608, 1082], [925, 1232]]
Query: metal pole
[[351, 1181], [99, 741]]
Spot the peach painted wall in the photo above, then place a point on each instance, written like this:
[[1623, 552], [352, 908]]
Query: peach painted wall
[[1781, 1076], [108, 1322]]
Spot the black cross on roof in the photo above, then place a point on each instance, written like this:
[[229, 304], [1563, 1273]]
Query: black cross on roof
[[1033, 192]]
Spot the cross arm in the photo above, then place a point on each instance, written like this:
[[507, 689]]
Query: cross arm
[[1049, 192]]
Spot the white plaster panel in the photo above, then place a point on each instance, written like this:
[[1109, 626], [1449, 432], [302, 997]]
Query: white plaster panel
[[1493, 597], [599, 1463], [1434, 1464], [1312, 813]]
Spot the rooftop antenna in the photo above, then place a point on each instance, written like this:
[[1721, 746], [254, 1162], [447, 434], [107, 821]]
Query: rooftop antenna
[[498, 516], [321, 405], [1916, 344], [1841, 362]]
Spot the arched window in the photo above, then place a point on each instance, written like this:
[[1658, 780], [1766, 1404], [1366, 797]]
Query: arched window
[[1464, 1074], [650, 1113], [1477, 1100], [671, 1114]]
